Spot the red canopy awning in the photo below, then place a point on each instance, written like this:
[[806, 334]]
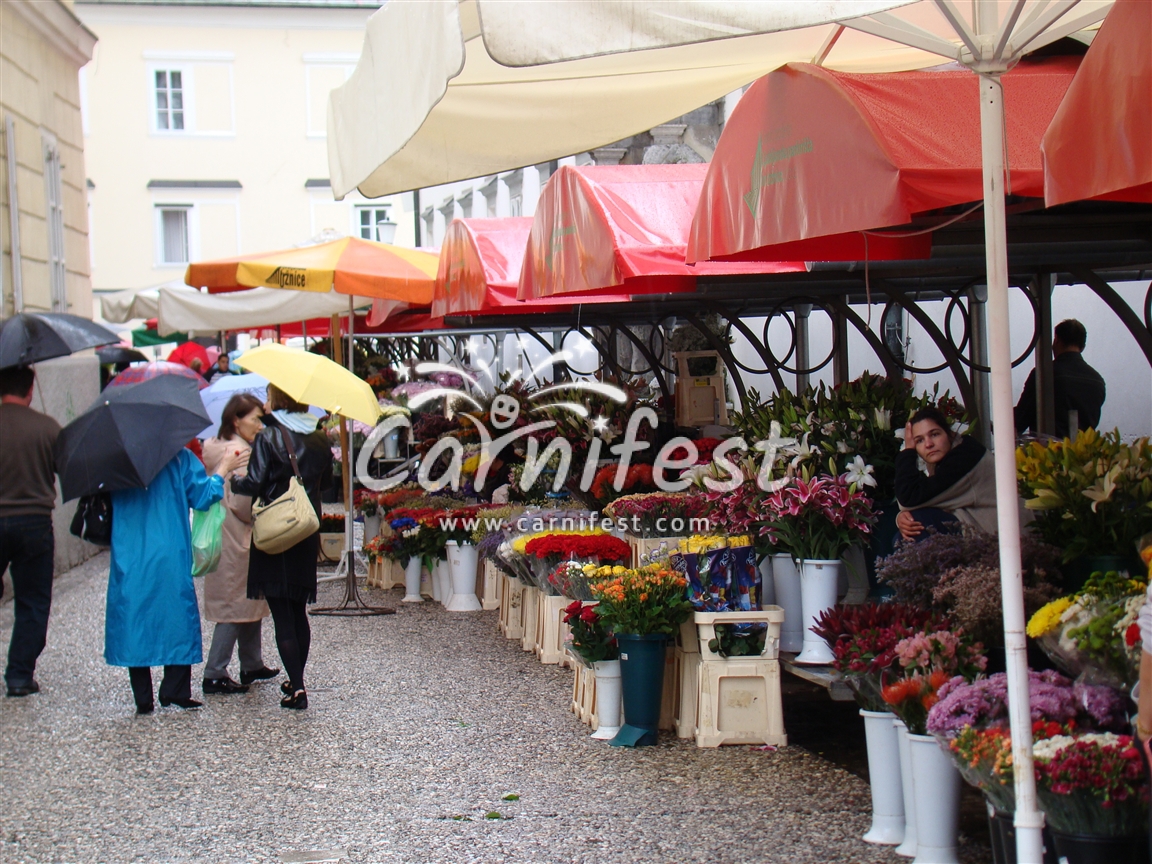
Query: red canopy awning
[[480, 261], [479, 264], [1100, 142], [618, 229], [810, 155]]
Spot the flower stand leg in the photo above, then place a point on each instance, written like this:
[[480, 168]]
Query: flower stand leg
[[688, 680], [670, 699], [884, 776], [394, 576], [512, 608], [549, 645], [437, 583], [908, 847], [427, 584], [819, 581], [374, 578], [412, 582], [937, 785], [767, 582], [491, 598], [608, 695], [528, 610], [786, 581]]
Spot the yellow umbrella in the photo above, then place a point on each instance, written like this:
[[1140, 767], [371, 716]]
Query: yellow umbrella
[[313, 380], [347, 266]]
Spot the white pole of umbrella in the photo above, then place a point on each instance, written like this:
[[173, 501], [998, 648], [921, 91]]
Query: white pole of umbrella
[[1029, 819]]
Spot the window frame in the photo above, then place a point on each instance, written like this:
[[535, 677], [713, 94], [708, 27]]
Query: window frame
[[191, 228], [188, 94], [358, 225]]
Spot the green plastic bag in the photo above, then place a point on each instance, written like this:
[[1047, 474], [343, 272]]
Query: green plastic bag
[[207, 532]]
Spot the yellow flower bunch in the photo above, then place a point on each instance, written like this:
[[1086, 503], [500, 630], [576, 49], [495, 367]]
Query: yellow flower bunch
[[604, 571], [738, 541], [703, 543], [1092, 496], [1047, 617]]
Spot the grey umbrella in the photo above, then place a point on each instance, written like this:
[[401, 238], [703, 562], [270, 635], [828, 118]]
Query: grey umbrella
[[128, 435], [34, 336]]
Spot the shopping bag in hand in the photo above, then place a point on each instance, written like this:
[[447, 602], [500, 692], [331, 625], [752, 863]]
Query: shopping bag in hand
[[207, 532]]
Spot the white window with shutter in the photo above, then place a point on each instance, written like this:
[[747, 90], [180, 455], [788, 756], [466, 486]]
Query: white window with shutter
[[173, 234]]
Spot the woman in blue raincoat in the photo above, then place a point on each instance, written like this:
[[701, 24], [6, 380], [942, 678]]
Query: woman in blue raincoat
[[152, 618]]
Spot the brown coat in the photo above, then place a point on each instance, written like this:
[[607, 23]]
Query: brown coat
[[226, 588]]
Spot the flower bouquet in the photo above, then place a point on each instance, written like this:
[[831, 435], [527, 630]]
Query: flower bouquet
[[590, 639], [1092, 784], [646, 601], [816, 519], [970, 719], [1091, 496], [864, 640], [924, 663], [1093, 633], [658, 514]]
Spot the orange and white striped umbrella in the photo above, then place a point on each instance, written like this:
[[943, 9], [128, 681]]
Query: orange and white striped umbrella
[[349, 265]]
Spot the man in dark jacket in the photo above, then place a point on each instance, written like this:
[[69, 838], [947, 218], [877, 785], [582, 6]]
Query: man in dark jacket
[[1076, 386], [27, 498]]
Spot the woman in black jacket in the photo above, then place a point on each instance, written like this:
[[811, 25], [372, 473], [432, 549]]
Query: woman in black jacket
[[957, 486], [287, 580]]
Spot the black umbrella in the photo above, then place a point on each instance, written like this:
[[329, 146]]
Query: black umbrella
[[34, 336], [116, 354], [128, 435]]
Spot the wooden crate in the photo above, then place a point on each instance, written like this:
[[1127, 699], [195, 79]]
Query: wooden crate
[[740, 701]]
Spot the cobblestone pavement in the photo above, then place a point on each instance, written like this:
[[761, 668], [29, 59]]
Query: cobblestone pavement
[[420, 724]]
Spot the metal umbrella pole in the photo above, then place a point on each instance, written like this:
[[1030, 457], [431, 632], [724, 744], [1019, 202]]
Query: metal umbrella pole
[[353, 603], [990, 48]]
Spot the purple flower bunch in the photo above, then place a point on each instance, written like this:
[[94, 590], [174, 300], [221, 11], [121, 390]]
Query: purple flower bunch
[[983, 704]]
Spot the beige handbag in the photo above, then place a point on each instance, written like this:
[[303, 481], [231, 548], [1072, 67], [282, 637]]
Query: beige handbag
[[279, 525]]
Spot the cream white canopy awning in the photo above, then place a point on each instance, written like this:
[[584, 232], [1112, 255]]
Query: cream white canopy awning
[[427, 104], [191, 311]]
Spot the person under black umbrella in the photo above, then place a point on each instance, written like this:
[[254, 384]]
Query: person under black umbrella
[[30, 337], [131, 445]]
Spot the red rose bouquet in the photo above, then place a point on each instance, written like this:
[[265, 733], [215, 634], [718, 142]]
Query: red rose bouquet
[[590, 639]]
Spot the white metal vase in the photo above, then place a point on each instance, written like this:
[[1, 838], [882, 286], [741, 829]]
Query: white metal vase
[[462, 561], [819, 580], [786, 581], [392, 445], [412, 581], [608, 697], [884, 777], [444, 577], [437, 582], [908, 847], [371, 527], [936, 783]]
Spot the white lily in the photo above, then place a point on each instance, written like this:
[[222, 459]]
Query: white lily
[[859, 473], [882, 417]]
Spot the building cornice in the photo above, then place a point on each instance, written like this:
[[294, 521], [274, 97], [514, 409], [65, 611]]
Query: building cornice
[[57, 23]]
